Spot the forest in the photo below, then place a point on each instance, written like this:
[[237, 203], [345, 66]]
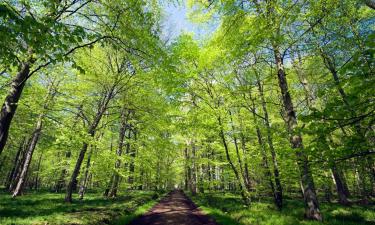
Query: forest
[[266, 116]]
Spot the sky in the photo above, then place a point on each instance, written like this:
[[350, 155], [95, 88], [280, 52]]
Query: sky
[[177, 22]]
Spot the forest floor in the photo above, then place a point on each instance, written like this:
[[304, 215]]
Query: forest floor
[[141, 208], [175, 208], [42, 208], [228, 209]]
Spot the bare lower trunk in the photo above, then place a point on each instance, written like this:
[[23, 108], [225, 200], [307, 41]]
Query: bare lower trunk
[[327, 187], [82, 188], [16, 165], [116, 176], [244, 193], [311, 201], [193, 175], [91, 132], [276, 173], [343, 198], [246, 166], [73, 179], [186, 160], [36, 182], [29, 154], [132, 154], [11, 102], [239, 160], [262, 149]]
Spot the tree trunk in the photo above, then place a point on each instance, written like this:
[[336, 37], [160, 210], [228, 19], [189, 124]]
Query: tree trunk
[[239, 160], [276, 173], [82, 188], [91, 132], [36, 182], [327, 187], [343, 198], [73, 179], [311, 201], [29, 154], [193, 175], [263, 150], [16, 165], [116, 176], [11, 102], [132, 155], [244, 193], [187, 173]]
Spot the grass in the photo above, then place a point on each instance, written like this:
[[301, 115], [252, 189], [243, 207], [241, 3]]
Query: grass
[[49, 208], [228, 209]]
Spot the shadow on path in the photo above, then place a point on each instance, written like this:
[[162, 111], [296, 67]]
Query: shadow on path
[[175, 208]]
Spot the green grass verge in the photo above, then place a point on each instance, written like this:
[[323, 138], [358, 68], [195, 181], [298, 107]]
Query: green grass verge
[[228, 209], [126, 219], [49, 208]]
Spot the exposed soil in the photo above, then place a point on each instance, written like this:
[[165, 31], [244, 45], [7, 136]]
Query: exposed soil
[[177, 209]]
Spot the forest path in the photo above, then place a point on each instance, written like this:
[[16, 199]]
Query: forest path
[[177, 209]]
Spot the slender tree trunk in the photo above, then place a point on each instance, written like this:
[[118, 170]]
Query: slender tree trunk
[[343, 198], [187, 181], [246, 166], [123, 125], [33, 141], [193, 174], [327, 187], [239, 160], [311, 201], [132, 155], [16, 165], [36, 183], [263, 150], [106, 191], [20, 166], [11, 102], [82, 188], [29, 154], [244, 193], [276, 173], [73, 179], [91, 132]]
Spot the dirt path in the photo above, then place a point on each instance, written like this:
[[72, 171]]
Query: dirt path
[[174, 209]]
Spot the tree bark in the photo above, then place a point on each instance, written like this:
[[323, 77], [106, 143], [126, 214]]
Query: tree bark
[[244, 193], [311, 201], [16, 165], [343, 198], [239, 160], [193, 175], [187, 173], [263, 150], [102, 107], [116, 176], [132, 154], [11, 102], [34, 140], [36, 182], [73, 179], [276, 173], [82, 188], [29, 154]]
